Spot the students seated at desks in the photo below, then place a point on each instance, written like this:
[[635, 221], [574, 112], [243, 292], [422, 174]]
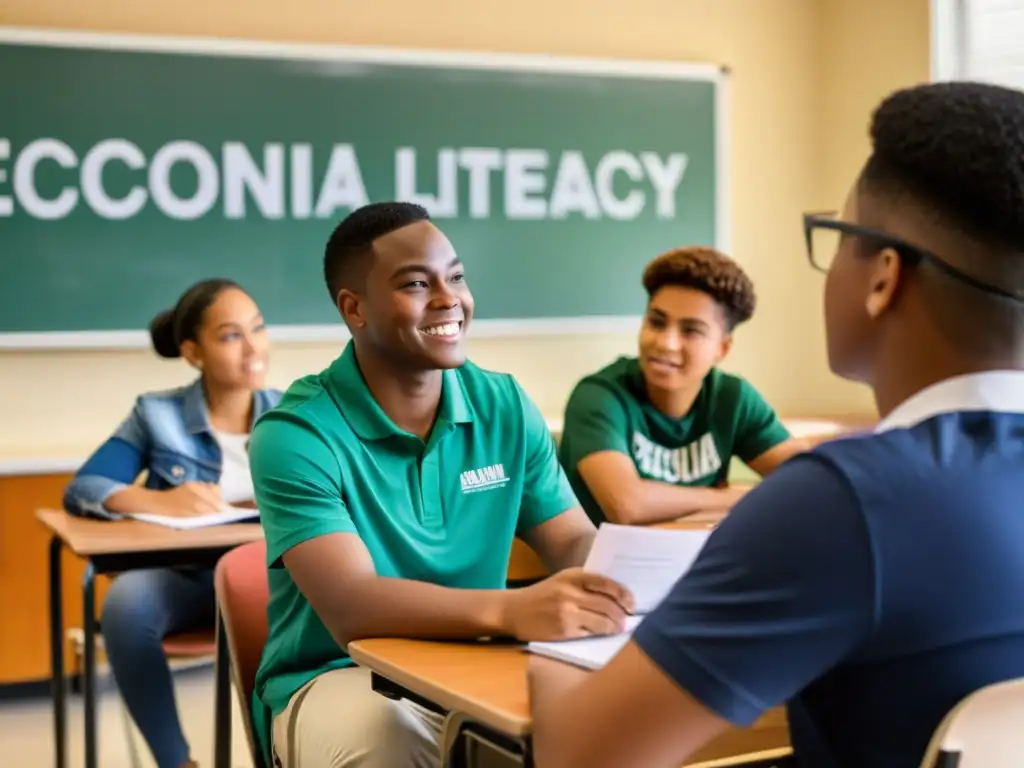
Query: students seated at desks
[[650, 438], [192, 442], [872, 583], [390, 488]]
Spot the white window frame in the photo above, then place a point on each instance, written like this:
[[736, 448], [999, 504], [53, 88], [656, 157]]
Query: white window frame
[[948, 22]]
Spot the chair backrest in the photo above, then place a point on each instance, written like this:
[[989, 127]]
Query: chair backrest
[[240, 581], [524, 565], [982, 731]]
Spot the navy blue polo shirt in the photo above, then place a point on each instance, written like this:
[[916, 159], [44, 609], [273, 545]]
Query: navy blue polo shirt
[[869, 585]]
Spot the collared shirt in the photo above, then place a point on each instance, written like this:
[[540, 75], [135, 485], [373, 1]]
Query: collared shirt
[[443, 510], [168, 435], [870, 585]]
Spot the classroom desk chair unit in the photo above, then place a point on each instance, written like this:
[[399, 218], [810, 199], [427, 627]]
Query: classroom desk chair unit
[[115, 547]]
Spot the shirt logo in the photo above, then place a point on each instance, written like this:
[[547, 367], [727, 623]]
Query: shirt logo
[[484, 478], [676, 465]]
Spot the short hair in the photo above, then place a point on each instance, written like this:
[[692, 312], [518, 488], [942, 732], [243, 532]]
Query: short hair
[[171, 328], [353, 239], [957, 147], [956, 151], [708, 271]]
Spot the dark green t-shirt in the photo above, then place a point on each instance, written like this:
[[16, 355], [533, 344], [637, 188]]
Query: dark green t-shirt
[[610, 411]]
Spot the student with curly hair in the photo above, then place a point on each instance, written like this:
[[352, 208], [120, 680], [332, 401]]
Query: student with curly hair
[[650, 438]]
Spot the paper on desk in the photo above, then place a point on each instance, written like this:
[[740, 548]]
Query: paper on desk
[[228, 514], [588, 652], [647, 561]]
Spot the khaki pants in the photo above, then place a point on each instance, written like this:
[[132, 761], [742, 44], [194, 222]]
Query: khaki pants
[[338, 721]]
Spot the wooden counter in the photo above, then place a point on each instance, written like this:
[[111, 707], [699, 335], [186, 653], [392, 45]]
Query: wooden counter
[[24, 595]]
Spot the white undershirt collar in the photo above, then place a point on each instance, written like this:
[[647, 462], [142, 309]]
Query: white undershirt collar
[[998, 391]]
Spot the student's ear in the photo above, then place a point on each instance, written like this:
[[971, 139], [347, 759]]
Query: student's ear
[[350, 305], [882, 283], [190, 351], [724, 349]]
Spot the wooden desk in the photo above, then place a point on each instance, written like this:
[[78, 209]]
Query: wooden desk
[[110, 547], [487, 683], [101, 540], [697, 521]]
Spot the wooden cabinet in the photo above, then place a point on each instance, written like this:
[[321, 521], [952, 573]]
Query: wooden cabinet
[[24, 578]]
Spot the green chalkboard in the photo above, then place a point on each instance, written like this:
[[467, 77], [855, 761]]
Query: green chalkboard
[[130, 167]]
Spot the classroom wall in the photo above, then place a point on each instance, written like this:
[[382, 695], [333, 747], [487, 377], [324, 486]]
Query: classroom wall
[[805, 75]]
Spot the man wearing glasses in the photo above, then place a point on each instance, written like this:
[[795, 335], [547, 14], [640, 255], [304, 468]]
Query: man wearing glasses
[[873, 583]]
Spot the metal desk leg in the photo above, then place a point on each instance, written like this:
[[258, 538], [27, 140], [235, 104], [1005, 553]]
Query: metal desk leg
[[222, 701], [57, 681], [89, 673]]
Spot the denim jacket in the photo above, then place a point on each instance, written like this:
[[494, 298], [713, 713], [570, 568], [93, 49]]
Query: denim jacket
[[168, 435]]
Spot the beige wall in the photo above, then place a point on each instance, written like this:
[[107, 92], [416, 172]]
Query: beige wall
[[805, 76]]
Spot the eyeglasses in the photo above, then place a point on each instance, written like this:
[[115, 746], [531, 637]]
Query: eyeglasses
[[824, 233]]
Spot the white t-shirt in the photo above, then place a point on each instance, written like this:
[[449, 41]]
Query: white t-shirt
[[235, 478]]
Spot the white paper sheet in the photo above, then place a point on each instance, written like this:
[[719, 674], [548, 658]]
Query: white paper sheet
[[588, 652], [647, 561], [227, 515]]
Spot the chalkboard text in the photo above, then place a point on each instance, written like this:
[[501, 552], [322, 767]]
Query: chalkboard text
[[47, 179]]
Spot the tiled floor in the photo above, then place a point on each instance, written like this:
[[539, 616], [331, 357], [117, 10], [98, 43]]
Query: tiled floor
[[26, 727]]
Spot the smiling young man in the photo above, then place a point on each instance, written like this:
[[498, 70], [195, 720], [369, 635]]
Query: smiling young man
[[390, 487], [875, 582], [649, 438]]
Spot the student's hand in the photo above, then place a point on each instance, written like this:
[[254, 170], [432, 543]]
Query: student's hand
[[188, 500], [570, 604]]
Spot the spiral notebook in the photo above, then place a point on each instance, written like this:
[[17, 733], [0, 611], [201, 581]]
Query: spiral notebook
[[647, 561]]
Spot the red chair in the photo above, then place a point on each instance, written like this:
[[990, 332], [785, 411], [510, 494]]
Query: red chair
[[191, 645], [240, 582]]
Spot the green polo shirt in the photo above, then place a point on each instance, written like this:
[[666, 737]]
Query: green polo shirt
[[610, 411], [327, 460]]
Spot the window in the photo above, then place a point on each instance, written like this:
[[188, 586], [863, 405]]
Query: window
[[978, 40]]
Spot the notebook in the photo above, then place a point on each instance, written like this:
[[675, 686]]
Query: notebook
[[647, 561], [228, 514]]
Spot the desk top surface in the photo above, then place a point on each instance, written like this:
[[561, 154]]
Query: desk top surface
[[701, 520], [487, 682], [100, 537], [484, 681]]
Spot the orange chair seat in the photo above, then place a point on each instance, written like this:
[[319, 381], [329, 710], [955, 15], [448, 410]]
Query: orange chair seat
[[191, 644]]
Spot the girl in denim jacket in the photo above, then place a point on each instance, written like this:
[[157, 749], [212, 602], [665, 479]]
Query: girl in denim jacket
[[191, 443]]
